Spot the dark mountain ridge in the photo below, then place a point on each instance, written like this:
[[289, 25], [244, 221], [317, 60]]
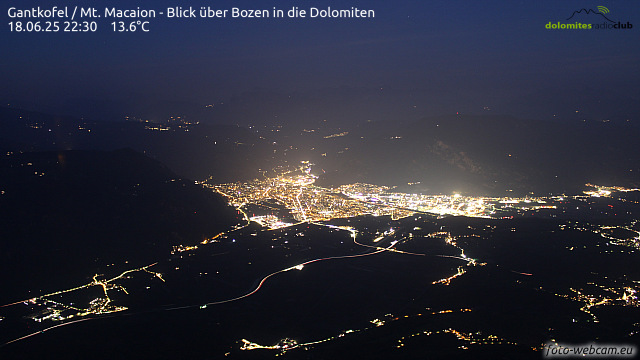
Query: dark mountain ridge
[[79, 211], [483, 155]]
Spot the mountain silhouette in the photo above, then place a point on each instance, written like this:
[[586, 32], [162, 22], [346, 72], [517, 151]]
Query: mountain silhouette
[[589, 11]]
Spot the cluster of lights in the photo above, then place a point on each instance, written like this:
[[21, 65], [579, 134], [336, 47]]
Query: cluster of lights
[[611, 296], [59, 311], [344, 133], [608, 232], [609, 189], [447, 280], [270, 221], [295, 189], [476, 338]]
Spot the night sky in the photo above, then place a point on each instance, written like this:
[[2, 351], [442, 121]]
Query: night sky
[[444, 54]]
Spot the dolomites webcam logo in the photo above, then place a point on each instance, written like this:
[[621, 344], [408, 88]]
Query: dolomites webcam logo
[[589, 19]]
